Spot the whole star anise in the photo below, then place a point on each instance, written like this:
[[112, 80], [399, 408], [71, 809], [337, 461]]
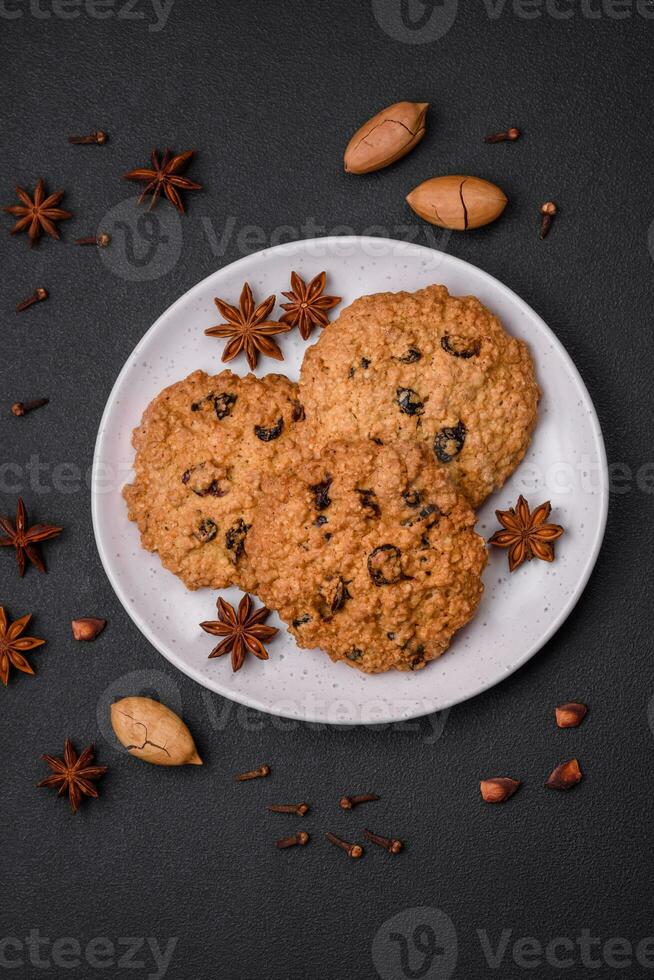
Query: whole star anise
[[307, 304], [73, 775], [248, 328], [38, 214], [526, 534], [242, 630], [25, 539], [12, 643], [164, 177]]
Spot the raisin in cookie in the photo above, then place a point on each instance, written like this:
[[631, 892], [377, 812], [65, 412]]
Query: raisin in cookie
[[370, 554], [202, 449], [430, 366]]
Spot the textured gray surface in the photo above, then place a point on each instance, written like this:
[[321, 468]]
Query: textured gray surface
[[268, 93]]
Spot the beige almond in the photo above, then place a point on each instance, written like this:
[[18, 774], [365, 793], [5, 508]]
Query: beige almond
[[457, 202], [152, 732], [389, 135]]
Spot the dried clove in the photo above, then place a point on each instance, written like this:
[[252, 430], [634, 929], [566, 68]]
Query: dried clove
[[22, 408], [263, 770], [347, 802], [98, 136], [510, 135], [301, 838], [390, 844], [101, 240], [37, 297], [547, 210], [352, 850], [299, 809]]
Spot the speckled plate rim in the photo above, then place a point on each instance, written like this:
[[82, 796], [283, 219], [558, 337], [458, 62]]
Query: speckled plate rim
[[411, 249]]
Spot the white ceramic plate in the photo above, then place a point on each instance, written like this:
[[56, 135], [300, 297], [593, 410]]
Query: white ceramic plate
[[566, 464]]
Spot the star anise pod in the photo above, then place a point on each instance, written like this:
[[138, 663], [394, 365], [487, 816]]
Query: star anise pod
[[73, 775], [38, 214], [307, 306], [248, 328], [526, 534], [165, 178], [242, 631], [12, 643], [25, 539]]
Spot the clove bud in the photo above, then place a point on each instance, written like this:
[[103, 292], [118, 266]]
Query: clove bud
[[101, 240], [547, 210], [301, 838], [87, 628], [263, 770], [22, 408], [299, 809], [565, 776], [352, 850], [348, 802], [510, 135], [390, 844], [570, 715], [498, 789], [37, 297], [98, 136]]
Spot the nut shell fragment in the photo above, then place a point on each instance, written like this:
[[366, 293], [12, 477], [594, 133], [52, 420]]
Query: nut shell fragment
[[565, 776], [457, 202], [385, 138], [571, 714], [498, 789], [152, 732], [87, 628]]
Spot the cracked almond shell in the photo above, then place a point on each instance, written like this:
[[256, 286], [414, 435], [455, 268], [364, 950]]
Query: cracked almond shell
[[389, 135], [152, 732], [457, 202]]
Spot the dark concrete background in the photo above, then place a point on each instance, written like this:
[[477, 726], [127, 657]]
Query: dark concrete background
[[268, 93]]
